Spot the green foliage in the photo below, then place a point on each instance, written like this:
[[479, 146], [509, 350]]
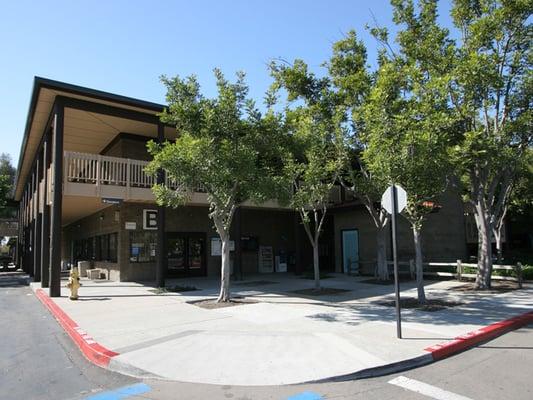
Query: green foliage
[[7, 178], [310, 165], [408, 124], [225, 146]]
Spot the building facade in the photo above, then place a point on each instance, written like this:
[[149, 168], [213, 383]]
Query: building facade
[[83, 196]]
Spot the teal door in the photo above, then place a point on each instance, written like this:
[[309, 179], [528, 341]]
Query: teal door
[[350, 251]]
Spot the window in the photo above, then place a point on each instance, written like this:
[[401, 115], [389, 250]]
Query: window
[[142, 246], [97, 248]]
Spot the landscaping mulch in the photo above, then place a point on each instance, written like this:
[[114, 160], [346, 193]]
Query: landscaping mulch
[[412, 303], [312, 276], [173, 289], [212, 304], [320, 292], [496, 287]]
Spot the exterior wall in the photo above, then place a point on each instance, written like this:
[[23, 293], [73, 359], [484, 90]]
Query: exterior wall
[[443, 234], [100, 223], [272, 228], [128, 146]]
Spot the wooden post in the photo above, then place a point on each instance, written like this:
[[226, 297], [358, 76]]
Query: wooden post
[[57, 199], [38, 220], [161, 259], [298, 267], [459, 270], [519, 274], [412, 268], [45, 225]]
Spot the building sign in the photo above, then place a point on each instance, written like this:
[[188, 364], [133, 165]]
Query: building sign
[[131, 226], [111, 200], [216, 246], [150, 219]]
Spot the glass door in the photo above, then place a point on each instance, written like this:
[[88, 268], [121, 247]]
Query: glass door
[[186, 254]]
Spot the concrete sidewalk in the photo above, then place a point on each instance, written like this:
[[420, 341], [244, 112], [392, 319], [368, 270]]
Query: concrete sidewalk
[[283, 338]]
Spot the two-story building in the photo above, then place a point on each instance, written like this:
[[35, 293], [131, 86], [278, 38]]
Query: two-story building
[[83, 195]]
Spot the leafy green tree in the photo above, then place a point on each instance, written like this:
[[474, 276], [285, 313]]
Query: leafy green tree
[[409, 128], [310, 164], [490, 89], [225, 146], [7, 179], [351, 81]]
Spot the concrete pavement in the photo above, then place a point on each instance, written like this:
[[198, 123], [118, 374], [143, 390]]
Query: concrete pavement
[[283, 338]]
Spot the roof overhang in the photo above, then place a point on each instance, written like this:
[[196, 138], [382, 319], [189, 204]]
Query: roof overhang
[[44, 94]]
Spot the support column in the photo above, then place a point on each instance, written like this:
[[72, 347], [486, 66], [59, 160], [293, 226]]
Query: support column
[[38, 220], [161, 259], [57, 198], [45, 224]]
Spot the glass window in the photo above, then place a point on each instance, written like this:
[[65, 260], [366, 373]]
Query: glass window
[[142, 246]]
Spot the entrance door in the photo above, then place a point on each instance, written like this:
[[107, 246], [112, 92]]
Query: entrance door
[[350, 251], [186, 254]]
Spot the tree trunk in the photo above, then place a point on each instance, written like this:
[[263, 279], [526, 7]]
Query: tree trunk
[[484, 263], [225, 270], [316, 266], [419, 266], [498, 239], [381, 264]]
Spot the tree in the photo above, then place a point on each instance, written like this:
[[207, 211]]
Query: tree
[[352, 81], [310, 164], [490, 89], [225, 146], [408, 124], [7, 179]]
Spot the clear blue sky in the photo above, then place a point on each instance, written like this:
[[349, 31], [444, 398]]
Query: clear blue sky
[[124, 46]]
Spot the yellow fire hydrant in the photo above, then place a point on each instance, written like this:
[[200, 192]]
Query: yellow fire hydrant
[[74, 283]]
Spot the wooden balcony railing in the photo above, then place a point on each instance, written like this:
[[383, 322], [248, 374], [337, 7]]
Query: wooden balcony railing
[[105, 171]]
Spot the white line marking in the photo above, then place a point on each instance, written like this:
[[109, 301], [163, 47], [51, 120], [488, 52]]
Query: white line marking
[[425, 389]]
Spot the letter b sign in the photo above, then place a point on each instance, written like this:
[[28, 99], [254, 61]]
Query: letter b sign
[[150, 219]]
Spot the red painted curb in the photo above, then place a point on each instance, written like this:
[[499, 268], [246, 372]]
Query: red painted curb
[[95, 352], [470, 339]]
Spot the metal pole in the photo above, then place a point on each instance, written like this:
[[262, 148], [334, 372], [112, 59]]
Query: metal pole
[[395, 260]]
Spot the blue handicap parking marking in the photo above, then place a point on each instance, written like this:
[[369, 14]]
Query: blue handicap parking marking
[[121, 393], [306, 396]]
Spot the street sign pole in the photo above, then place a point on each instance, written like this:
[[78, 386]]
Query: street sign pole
[[394, 200]]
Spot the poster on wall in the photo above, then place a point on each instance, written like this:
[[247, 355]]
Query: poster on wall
[[216, 246], [266, 259]]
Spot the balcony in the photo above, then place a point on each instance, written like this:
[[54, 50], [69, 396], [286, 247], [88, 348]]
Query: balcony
[[94, 175]]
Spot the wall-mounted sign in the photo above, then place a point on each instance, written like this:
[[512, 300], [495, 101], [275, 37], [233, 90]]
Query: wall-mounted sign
[[111, 200], [150, 219], [266, 259], [131, 226], [216, 246]]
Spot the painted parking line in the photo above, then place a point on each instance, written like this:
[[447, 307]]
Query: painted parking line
[[121, 393], [306, 396], [425, 389]]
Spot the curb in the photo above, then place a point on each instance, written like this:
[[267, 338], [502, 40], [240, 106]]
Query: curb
[[93, 351], [470, 339], [439, 351]]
